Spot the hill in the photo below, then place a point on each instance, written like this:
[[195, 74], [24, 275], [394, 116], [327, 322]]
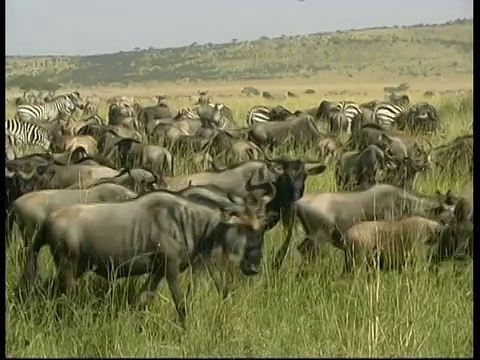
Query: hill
[[414, 51]]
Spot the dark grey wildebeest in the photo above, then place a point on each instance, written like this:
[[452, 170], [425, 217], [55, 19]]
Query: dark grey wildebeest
[[322, 213], [362, 167], [159, 233], [301, 131]]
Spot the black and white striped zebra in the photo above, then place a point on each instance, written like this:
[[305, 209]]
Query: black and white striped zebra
[[352, 111], [26, 133], [385, 113], [63, 104], [258, 114], [186, 112], [219, 118]]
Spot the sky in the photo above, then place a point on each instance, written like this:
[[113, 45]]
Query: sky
[[83, 27]]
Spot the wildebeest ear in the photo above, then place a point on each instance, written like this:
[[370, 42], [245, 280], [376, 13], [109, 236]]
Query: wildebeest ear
[[314, 169]]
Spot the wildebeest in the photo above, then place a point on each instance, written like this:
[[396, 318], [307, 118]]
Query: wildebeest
[[154, 158], [388, 244], [158, 111], [301, 130], [119, 110], [420, 118], [138, 180], [320, 213], [362, 167], [30, 210], [159, 233], [458, 152], [456, 240]]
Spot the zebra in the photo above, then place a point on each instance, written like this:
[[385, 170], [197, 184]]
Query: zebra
[[385, 113], [65, 104], [21, 132], [186, 113], [218, 117], [352, 111], [258, 114]]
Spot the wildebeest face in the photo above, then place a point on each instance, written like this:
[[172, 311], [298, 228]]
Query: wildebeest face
[[244, 237], [243, 241], [452, 241], [295, 173]]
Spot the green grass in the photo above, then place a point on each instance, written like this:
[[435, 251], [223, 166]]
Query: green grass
[[409, 51], [408, 314]]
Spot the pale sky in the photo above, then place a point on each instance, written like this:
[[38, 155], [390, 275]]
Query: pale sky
[[82, 27]]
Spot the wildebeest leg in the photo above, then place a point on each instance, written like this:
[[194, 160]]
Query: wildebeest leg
[[348, 261], [66, 271], [172, 271], [288, 219], [147, 293]]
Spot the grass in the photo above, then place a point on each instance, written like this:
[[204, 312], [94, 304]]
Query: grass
[[435, 50], [408, 314]]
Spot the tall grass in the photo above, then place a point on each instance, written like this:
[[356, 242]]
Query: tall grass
[[412, 313]]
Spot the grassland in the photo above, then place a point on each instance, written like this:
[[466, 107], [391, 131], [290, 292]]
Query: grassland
[[408, 314], [420, 51]]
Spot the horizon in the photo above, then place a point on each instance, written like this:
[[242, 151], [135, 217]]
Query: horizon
[[240, 41], [94, 33]]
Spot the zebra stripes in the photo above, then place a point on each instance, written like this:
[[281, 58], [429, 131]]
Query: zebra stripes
[[188, 113], [385, 114], [221, 121], [351, 111], [258, 114], [62, 104], [22, 132]]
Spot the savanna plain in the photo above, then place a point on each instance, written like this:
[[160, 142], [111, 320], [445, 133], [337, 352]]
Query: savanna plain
[[413, 313]]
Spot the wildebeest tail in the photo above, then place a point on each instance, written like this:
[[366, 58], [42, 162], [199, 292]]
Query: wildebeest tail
[[337, 237]]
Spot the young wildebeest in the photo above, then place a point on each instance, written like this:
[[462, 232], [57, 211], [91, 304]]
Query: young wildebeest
[[159, 233], [321, 213], [389, 244]]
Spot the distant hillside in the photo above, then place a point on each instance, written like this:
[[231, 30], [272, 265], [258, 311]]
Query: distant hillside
[[421, 50]]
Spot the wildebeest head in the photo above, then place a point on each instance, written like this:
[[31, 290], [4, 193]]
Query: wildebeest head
[[324, 109], [279, 113], [294, 173], [18, 183], [452, 241], [245, 221]]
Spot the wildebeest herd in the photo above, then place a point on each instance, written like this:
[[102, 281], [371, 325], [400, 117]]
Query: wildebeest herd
[[106, 195]]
